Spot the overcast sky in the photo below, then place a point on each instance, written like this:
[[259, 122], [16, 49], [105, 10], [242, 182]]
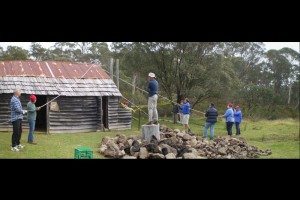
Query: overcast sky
[[268, 45]]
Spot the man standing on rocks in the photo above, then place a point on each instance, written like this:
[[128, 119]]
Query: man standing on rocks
[[211, 118], [152, 99]]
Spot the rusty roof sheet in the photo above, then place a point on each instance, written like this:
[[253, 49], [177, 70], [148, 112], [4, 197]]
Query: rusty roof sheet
[[51, 69]]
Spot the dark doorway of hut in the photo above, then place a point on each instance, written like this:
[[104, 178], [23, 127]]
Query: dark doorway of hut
[[41, 118], [105, 112]]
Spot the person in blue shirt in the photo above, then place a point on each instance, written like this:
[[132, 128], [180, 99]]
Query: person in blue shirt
[[152, 99], [229, 117], [16, 119], [238, 119], [186, 115]]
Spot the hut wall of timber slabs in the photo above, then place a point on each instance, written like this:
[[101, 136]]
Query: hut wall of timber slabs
[[85, 105]]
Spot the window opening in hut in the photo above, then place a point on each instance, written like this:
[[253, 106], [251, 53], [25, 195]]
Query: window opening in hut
[[105, 111], [41, 118]]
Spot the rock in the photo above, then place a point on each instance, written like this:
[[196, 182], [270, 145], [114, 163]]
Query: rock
[[121, 146], [170, 149], [222, 151], [130, 141], [133, 153], [112, 145], [201, 157], [105, 140], [109, 153], [135, 146], [164, 151], [189, 156], [103, 147], [127, 150], [129, 157], [193, 142], [121, 139], [186, 137], [162, 136], [177, 131], [170, 156], [143, 153], [121, 153], [193, 151], [201, 152], [144, 143], [244, 153], [156, 156], [157, 149], [180, 134]]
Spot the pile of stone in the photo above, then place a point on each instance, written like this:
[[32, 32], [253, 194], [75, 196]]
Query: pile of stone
[[174, 144]]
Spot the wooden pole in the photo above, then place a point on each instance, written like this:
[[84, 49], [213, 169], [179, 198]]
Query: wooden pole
[[117, 73], [111, 68], [47, 117], [139, 127]]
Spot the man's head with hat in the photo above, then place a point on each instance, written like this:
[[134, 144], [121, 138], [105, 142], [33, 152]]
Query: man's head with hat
[[151, 76], [33, 98], [230, 105]]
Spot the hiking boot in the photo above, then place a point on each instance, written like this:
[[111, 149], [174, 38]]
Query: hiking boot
[[15, 149], [155, 122], [20, 146], [32, 143]]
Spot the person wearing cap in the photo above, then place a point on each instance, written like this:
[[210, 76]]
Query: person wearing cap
[[186, 115], [152, 99], [211, 118], [238, 119], [16, 119], [229, 116], [31, 117]]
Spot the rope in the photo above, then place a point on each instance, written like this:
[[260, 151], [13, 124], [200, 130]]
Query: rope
[[136, 106], [147, 92]]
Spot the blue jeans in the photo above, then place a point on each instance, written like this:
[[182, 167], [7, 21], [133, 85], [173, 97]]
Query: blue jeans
[[212, 126], [31, 130]]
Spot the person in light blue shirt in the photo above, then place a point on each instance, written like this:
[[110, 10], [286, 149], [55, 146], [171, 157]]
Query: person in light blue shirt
[[238, 116], [229, 117], [16, 120]]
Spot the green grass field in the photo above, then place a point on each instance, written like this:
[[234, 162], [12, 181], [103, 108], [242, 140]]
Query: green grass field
[[282, 136]]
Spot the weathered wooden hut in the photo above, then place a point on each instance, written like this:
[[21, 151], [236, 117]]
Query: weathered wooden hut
[[87, 104]]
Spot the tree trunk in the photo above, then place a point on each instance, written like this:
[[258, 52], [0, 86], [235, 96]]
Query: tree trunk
[[134, 83], [179, 97], [290, 91]]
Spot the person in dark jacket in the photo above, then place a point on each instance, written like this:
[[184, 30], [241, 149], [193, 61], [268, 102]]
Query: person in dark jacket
[[238, 119], [211, 118]]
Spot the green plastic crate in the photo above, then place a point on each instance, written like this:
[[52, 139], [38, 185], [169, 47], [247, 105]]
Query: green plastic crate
[[83, 153]]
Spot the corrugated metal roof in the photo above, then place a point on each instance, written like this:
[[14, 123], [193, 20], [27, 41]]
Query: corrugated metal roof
[[67, 87], [51, 69], [53, 78]]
